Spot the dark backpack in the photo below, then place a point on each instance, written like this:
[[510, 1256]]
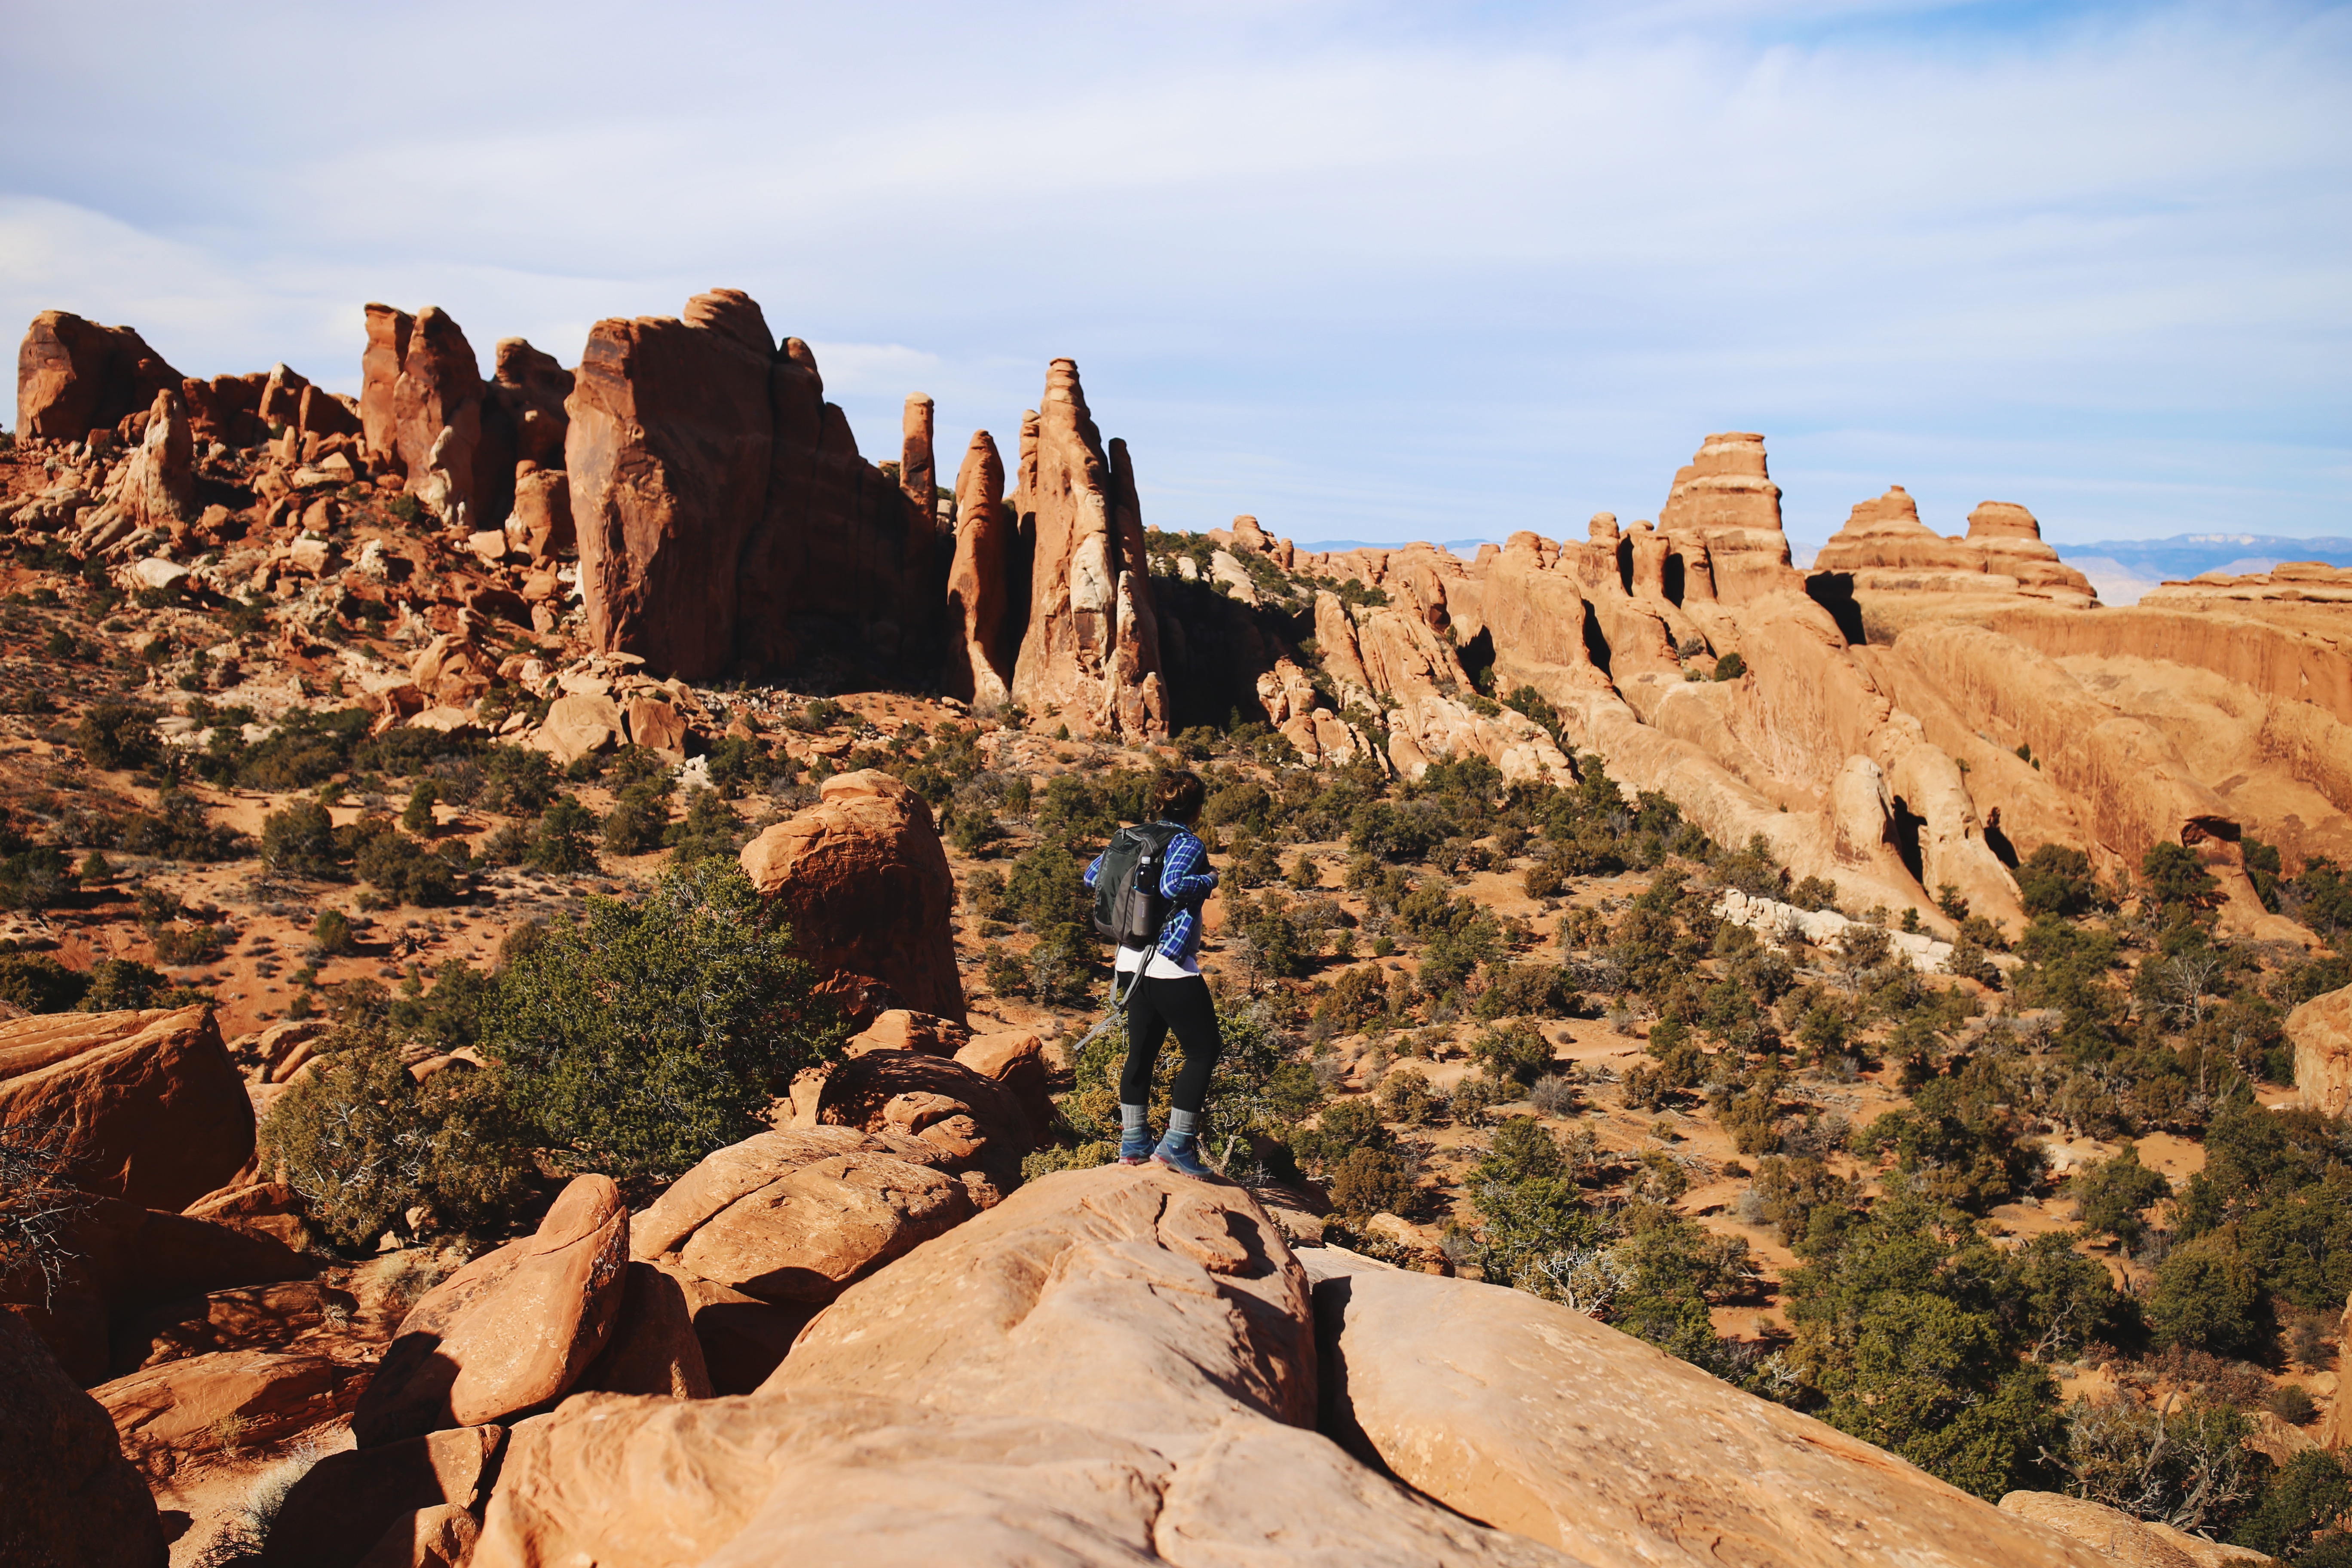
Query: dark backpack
[[1128, 909]]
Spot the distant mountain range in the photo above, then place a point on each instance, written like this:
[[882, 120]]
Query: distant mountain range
[[2121, 569]]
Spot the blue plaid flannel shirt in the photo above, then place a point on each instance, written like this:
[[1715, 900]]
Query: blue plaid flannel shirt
[[1184, 881]]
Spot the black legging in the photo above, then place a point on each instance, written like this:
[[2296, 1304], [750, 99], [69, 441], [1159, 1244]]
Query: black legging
[[1158, 1007]]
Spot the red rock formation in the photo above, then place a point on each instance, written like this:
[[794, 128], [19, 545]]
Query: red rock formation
[[226, 409], [75, 376], [281, 394], [864, 883], [73, 1500], [182, 1410], [436, 407], [1077, 661], [529, 388], [653, 1349], [1726, 500], [2321, 1033], [388, 331], [983, 638], [1888, 550], [509, 1332], [1627, 1447], [668, 452], [159, 482], [156, 1112], [918, 469]]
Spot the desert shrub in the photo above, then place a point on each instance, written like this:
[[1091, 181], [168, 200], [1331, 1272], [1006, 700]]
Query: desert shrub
[[114, 735], [406, 871], [1731, 666], [40, 983], [177, 830], [2115, 1195], [299, 840], [642, 1036], [1372, 1181], [1555, 1094], [2056, 879], [709, 828], [1405, 1096], [560, 843], [2291, 1402], [35, 879], [635, 826], [331, 934], [200, 942], [418, 814], [517, 780], [365, 1144], [119, 985], [2308, 1494]]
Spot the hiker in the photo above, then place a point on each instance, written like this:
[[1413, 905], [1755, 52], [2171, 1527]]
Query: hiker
[[1159, 958]]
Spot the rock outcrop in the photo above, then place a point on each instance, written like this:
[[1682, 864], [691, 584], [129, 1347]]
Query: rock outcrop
[[159, 482], [1111, 1366], [187, 1409], [1887, 551], [984, 590], [863, 881], [73, 1501], [1630, 1456], [154, 1112], [510, 1332], [437, 408], [720, 502], [1089, 651], [74, 376], [1724, 498], [388, 331], [2321, 1033], [2117, 1537], [975, 1123], [347, 1502]]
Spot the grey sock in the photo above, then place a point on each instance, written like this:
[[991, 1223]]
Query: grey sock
[[1184, 1123], [1130, 1118]]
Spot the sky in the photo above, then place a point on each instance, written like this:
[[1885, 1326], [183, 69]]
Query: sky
[[1376, 271]]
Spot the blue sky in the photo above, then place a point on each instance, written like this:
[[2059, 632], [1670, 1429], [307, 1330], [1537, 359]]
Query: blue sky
[[1376, 271]]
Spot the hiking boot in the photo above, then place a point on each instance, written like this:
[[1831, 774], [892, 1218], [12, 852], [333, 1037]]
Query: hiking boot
[[1135, 1147], [1179, 1152]]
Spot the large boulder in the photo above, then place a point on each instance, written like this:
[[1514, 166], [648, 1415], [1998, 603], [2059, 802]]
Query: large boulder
[[802, 1238], [652, 1348], [182, 1410], [863, 882], [1085, 653], [1014, 1060], [974, 1124], [114, 1261], [154, 1111], [1628, 1455], [510, 1332], [1112, 1366], [2117, 1537], [252, 1318], [790, 1218], [2321, 1032], [73, 1501], [345, 1503], [75, 376]]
